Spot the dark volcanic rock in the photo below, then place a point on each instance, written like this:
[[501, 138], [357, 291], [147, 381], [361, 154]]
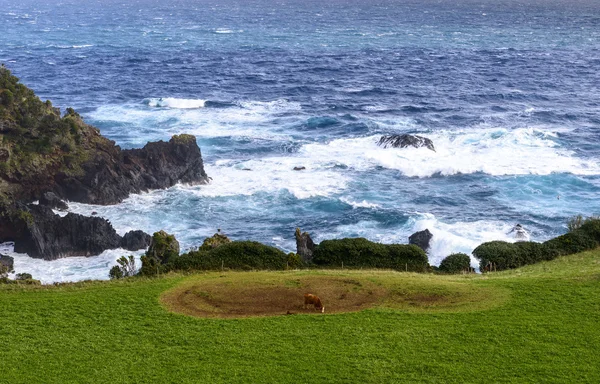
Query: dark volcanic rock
[[305, 247], [403, 141], [7, 261], [49, 236], [116, 173], [421, 239], [134, 240], [52, 201], [299, 168]]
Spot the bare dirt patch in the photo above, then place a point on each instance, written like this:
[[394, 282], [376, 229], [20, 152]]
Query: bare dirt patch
[[236, 294]]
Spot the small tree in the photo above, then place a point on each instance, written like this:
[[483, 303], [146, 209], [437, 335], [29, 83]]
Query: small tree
[[575, 223], [125, 268], [3, 271]]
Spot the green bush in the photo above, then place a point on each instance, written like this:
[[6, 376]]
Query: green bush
[[360, 252], [569, 243], [294, 261], [455, 263], [23, 276], [584, 235], [505, 255], [240, 255], [591, 227], [115, 273]]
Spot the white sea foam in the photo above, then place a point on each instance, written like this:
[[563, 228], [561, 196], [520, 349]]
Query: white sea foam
[[492, 151], [460, 236], [227, 31], [271, 175], [359, 204], [170, 102], [68, 268]]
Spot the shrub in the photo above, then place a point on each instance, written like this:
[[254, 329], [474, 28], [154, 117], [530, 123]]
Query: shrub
[[509, 255], [150, 266], [456, 263], [243, 255], [294, 261], [23, 276], [591, 227], [125, 268], [115, 273], [361, 252], [569, 243]]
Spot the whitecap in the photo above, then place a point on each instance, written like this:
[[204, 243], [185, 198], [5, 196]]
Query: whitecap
[[492, 151], [171, 102], [359, 204]]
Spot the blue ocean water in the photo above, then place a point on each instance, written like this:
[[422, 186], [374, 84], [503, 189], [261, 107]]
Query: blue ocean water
[[507, 90]]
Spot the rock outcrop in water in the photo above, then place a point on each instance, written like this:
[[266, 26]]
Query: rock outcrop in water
[[305, 247], [48, 157], [421, 239], [45, 235], [134, 240], [405, 140]]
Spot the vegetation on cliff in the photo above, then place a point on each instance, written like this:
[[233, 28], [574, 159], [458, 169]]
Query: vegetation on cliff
[[37, 143]]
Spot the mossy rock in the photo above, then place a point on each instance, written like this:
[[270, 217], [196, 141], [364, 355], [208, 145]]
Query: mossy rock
[[163, 247]]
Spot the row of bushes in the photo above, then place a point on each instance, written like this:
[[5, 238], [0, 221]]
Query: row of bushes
[[503, 255], [219, 253], [239, 255], [362, 253]]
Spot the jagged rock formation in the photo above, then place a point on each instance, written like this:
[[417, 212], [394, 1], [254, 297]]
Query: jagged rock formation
[[52, 201], [405, 140], [134, 240], [421, 239], [305, 246], [48, 236]]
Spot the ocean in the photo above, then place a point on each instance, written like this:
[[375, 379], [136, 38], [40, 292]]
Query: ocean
[[507, 90]]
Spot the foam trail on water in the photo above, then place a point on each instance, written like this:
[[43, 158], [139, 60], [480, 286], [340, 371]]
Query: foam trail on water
[[68, 269], [171, 102], [270, 175]]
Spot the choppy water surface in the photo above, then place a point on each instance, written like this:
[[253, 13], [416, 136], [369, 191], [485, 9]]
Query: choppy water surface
[[508, 92]]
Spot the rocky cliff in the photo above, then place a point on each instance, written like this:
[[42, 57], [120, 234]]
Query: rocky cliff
[[42, 151]]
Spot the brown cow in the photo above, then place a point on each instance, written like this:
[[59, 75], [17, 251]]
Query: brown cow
[[313, 299]]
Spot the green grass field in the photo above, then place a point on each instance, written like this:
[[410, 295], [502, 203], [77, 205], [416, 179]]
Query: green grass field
[[535, 324]]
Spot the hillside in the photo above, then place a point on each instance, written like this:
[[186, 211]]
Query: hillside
[[534, 324]]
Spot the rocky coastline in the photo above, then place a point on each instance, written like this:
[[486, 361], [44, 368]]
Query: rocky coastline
[[51, 157]]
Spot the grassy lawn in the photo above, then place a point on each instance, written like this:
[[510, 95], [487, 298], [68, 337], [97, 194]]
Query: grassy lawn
[[537, 324]]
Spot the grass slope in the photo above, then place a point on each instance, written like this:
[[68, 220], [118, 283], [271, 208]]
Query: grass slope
[[544, 328]]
